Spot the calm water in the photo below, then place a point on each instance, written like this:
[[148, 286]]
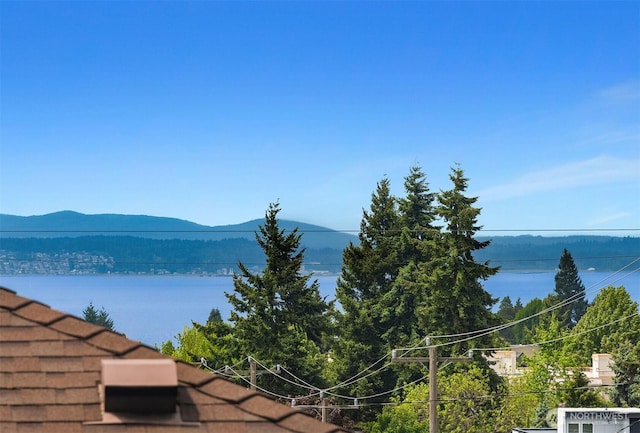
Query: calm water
[[154, 309]]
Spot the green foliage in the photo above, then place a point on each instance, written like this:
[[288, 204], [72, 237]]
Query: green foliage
[[516, 407], [192, 346], [626, 366], [417, 214], [368, 272], [456, 301], [544, 367], [574, 391], [98, 317], [611, 320], [409, 416], [466, 405], [279, 317], [569, 291], [415, 245], [522, 330], [507, 312], [214, 316], [214, 342], [409, 278]]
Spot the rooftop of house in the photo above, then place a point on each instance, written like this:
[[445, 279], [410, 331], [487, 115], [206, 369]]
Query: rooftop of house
[[51, 373]]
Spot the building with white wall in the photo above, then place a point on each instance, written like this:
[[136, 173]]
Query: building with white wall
[[598, 420]]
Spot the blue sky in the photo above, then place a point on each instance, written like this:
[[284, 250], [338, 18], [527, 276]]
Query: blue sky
[[209, 111]]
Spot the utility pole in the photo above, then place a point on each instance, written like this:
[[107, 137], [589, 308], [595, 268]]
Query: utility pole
[[433, 360], [323, 409], [253, 372], [324, 406]]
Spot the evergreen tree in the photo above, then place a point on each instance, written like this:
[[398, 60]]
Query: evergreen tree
[[574, 391], [626, 366], [457, 301], [518, 305], [569, 291], [278, 317], [416, 243], [417, 216], [507, 312], [214, 316], [368, 272], [98, 317], [523, 328]]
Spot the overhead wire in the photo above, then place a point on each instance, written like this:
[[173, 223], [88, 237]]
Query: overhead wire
[[318, 391], [471, 335], [214, 230], [442, 399], [362, 400], [358, 377], [474, 334], [568, 336], [489, 331]]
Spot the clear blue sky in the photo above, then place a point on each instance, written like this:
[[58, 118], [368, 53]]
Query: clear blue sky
[[209, 111]]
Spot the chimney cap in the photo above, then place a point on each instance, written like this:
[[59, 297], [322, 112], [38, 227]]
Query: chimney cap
[[142, 386], [139, 372]]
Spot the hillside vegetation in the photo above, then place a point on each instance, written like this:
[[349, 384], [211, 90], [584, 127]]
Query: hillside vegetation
[[70, 242]]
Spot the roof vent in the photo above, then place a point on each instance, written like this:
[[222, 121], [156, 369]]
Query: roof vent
[[143, 386]]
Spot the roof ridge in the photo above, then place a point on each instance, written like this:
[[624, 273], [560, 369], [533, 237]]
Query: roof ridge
[[78, 346], [37, 312]]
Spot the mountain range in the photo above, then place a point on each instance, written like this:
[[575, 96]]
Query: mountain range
[[71, 242], [74, 224]]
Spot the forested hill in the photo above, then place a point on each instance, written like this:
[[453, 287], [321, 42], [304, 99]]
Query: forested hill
[[69, 242], [541, 253], [74, 224]]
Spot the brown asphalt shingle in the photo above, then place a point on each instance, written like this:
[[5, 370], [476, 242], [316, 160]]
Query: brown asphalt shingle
[[50, 371]]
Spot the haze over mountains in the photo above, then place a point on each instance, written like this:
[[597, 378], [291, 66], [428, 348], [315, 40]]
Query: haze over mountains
[[74, 224], [71, 242]]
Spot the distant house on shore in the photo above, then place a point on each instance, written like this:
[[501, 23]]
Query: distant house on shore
[[505, 363]]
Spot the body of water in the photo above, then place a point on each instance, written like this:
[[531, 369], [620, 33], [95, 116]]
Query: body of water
[[154, 309]]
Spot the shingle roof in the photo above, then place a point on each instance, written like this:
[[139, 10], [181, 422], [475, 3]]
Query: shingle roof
[[50, 369]]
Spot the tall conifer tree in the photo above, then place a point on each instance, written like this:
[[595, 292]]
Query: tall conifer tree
[[368, 272], [570, 291], [278, 317], [457, 301], [98, 317], [507, 312], [417, 216]]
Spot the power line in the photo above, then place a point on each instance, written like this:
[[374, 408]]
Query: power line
[[486, 331], [361, 401], [497, 395], [357, 377], [318, 391], [319, 230], [203, 263]]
